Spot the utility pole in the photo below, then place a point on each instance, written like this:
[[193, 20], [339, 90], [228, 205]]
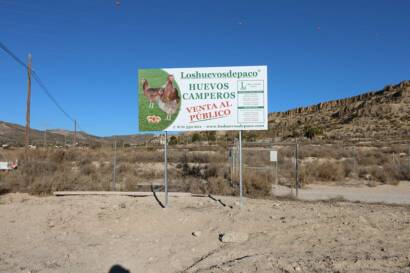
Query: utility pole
[[75, 132], [27, 133]]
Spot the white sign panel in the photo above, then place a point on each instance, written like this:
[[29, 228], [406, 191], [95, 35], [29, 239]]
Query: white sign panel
[[4, 166], [273, 156], [203, 99]]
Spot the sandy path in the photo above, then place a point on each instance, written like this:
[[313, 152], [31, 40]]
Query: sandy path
[[390, 194], [92, 233]]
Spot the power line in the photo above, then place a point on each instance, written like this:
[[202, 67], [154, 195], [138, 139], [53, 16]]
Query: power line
[[47, 92], [38, 80], [8, 51]]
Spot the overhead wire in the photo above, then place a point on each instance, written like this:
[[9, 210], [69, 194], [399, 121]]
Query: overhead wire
[[38, 80]]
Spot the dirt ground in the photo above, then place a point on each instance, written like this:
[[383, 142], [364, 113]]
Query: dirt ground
[[94, 233], [390, 194]]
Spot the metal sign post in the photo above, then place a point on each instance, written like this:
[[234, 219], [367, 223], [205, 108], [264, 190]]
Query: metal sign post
[[166, 168], [240, 170], [274, 158]]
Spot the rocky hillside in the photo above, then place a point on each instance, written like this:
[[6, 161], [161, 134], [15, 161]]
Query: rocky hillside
[[383, 114], [11, 133]]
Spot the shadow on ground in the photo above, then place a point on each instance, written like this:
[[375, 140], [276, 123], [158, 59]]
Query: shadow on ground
[[118, 269]]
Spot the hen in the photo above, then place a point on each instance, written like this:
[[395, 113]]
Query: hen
[[169, 98]]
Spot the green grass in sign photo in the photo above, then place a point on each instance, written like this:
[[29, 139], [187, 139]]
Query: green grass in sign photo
[[151, 116]]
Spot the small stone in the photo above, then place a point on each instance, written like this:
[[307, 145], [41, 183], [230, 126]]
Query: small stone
[[233, 237], [122, 205], [196, 234], [275, 205]]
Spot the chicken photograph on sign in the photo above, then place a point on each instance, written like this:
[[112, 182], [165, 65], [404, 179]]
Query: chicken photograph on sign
[[203, 99]]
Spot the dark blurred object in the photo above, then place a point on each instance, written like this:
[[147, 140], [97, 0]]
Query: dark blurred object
[[118, 269]]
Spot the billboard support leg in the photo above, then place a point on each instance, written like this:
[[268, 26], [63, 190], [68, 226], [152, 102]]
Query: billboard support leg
[[240, 170], [166, 168]]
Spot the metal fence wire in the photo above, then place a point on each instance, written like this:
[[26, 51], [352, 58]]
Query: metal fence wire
[[209, 167]]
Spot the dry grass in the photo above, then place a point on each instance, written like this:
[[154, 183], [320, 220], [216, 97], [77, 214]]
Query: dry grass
[[198, 170]]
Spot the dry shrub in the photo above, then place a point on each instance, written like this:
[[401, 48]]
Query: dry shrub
[[378, 174], [327, 171], [4, 185], [149, 173], [198, 157], [129, 183], [124, 168], [348, 167], [196, 186], [330, 171], [256, 184], [389, 173], [219, 186], [87, 169], [147, 156], [72, 154], [398, 172], [211, 170], [57, 156]]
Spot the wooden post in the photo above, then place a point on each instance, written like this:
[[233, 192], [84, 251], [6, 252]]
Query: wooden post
[[27, 133]]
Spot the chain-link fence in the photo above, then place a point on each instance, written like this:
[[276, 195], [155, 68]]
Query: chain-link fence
[[204, 167]]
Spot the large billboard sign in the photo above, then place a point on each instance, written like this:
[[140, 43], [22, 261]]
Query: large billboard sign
[[203, 99]]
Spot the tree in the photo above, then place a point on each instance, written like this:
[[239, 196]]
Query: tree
[[312, 132], [211, 136], [196, 137], [173, 140]]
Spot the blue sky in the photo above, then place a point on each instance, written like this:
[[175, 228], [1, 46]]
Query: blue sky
[[88, 52]]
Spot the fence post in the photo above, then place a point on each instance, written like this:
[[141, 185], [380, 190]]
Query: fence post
[[355, 162], [296, 171], [233, 163], [114, 166]]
